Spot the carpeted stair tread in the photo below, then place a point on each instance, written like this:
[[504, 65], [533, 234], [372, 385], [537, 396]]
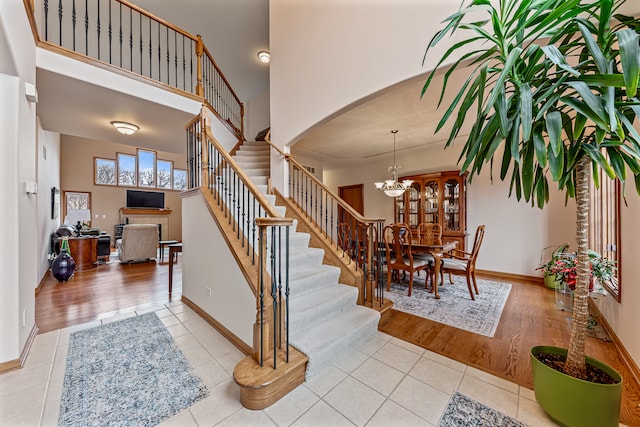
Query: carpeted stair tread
[[330, 338], [308, 309], [306, 257], [303, 280]]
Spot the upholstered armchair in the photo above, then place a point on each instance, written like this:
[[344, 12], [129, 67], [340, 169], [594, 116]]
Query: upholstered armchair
[[139, 242]]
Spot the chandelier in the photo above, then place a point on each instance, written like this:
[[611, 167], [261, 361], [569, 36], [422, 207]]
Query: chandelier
[[392, 187]]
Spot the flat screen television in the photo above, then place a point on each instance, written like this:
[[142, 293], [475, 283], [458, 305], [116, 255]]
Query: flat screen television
[[145, 199]]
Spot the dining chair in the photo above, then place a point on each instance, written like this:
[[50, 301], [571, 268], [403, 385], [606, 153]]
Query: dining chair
[[460, 261], [430, 233], [397, 242]]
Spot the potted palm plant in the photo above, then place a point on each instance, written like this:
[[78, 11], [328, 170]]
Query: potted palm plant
[[552, 95]]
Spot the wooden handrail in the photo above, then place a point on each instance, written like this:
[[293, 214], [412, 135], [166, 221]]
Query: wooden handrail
[[247, 181], [342, 203], [206, 51], [157, 19]]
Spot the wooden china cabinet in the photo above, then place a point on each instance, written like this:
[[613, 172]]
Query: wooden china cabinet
[[439, 198]]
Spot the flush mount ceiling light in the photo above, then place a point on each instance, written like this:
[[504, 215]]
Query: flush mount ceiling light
[[125, 128], [392, 187], [264, 56]]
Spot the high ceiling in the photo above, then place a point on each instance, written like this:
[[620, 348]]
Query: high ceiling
[[357, 134]]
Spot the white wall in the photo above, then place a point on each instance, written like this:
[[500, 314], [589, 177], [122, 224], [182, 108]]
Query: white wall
[[208, 263], [256, 115], [18, 165], [48, 177], [326, 55]]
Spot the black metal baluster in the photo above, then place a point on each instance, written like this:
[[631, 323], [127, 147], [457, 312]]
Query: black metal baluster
[[167, 47], [274, 295], [60, 22], [191, 55], [110, 35], [287, 291], [46, 20], [150, 51], [253, 238], [159, 55], [184, 65], [175, 55], [141, 45], [98, 29], [121, 35], [73, 23], [86, 28], [131, 39]]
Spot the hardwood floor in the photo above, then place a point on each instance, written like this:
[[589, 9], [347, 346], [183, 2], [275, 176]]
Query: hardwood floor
[[529, 318]]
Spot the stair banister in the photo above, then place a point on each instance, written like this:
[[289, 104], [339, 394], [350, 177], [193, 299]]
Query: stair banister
[[365, 232]]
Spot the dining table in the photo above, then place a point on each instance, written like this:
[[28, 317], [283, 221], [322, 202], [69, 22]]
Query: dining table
[[437, 251]]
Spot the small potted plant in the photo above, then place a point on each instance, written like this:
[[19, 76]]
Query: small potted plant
[[561, 273], [551, 268]]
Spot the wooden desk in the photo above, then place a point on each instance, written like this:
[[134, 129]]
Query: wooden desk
[[436, 251], [84, 251], [173, 250]]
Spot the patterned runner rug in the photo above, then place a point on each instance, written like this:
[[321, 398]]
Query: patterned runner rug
[[126, 373], [464, 411], [455, 307]]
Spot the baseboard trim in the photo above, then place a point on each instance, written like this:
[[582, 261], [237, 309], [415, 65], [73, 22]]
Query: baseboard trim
[[42, 281], [510, 276], [240, 345], [14, 364], [626, 357]]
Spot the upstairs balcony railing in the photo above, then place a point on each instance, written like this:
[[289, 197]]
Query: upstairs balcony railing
[[125, 36]]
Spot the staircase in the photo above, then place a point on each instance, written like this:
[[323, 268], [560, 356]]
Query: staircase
[[324, 319]]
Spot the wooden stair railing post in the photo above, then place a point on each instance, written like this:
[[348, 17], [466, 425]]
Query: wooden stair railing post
[[199, 53], [261, 329], [270, 331]]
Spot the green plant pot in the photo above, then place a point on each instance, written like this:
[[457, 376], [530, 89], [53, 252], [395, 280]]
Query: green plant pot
[[551, 282], [570, 401]]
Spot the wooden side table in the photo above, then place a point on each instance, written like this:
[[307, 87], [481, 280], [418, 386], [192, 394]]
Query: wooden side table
[[162, 244], [174, 248]]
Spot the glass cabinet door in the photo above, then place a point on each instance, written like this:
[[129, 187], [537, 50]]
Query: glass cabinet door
[[399, 201], [451, 205], [414, 205], [431, 202]]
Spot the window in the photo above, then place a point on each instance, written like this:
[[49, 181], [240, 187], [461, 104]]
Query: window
[[165, 172], [105, 172], [604, 227], [146, 168], [127, 170], [77, 207], [141, 170], [179, 179]]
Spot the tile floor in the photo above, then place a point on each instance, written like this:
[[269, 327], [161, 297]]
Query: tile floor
[[382, 382]]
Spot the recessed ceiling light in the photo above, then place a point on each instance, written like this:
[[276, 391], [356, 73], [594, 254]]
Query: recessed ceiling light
[[125, 128], [264, 56]]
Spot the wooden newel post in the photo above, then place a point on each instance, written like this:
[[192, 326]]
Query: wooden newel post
[[199, 53], [261, 335]]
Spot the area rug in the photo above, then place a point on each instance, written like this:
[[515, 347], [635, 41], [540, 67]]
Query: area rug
[[464, 411], [126, 373], [455, 307]]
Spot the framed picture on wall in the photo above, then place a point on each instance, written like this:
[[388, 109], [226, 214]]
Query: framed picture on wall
[[55, 203]]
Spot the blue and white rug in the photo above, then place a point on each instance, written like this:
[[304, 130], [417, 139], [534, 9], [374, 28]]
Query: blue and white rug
[[126, 373], [464, 411], [455, 307]]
